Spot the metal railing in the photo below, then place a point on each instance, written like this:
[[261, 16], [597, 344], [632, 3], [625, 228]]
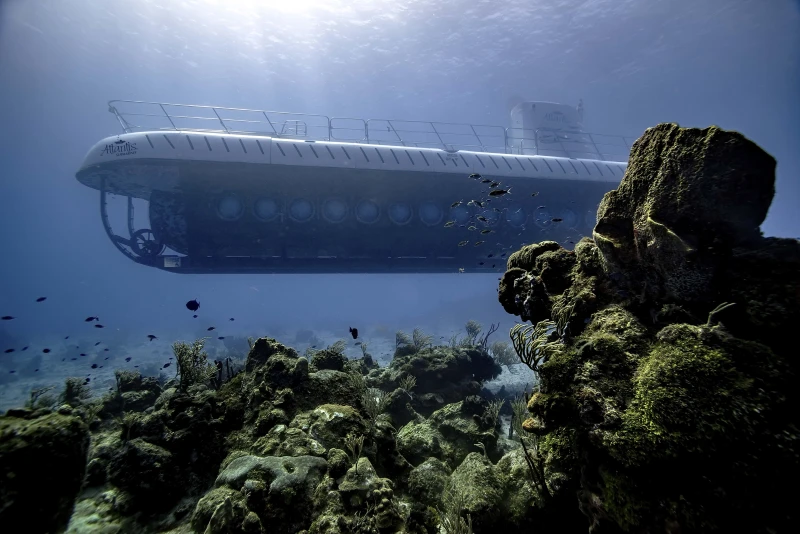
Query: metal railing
[[137, 115]]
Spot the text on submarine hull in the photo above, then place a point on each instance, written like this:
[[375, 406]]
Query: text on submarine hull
[[252, 191]]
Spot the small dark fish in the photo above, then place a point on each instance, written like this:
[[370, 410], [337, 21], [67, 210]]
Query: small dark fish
[[128, 359], [313, 346], [463, 243], [87, 380], [472, 228], [90, 319], [83, 354], [105, 350], [503, 255], [7, 317], [487, 231], [73, 359], [490, 255], [11, 372], [499, 192], [165, 365], [535, 194], [94, 366], [479, 243], [486, 181], [66, 337], [194, 316], [210, 328], [151, 337], [36, 370], [456, 204], [448, 224], [231, 319], [46, 351], [193, 305], [493, 266], [542, 207], [96, 343], [357, 343], [556, 219], [221, 337], [9, 351], [480, 263], [136, 366], [41, 299], [104, 359], [25, 348], [99, 326], [494, 184], [354, 332], [481, 218], [475, 176]]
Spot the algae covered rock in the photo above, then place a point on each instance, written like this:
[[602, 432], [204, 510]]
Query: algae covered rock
[[42, 465], [669, 406]]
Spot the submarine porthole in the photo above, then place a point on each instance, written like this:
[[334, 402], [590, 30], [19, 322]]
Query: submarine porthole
[[568, 217], [400, 213], [265, 209], [301, 210], [516, 217], [430, 213], [367, 212], [543, 218], [491, 216], [460, 214], [334, 210], [230, 208]]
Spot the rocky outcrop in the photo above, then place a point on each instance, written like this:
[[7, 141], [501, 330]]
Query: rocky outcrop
[[670, 406]]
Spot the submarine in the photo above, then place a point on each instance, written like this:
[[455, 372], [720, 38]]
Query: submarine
[[233, 190]]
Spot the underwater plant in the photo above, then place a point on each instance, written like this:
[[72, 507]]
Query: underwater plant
[[76, 391], [503, 354], [532, 345], [450, 514], [193, 365], [420, 340], [375, 402], [39, 398], [473, 329]]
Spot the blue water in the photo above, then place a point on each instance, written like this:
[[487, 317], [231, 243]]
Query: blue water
[[732, 63]]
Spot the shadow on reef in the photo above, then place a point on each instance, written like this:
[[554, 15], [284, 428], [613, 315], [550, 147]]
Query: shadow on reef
[[670, 407], [664, 354]]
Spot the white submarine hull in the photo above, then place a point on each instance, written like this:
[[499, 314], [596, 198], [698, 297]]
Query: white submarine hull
[[238, 202]]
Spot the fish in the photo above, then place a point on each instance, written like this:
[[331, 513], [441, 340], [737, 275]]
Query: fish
[[7, 317], [499, 192], [535, 194], [354, 332], [193, 305], [221, 337], [99, 326], [105, 350], [66, 337], [486, 181], [83, 354], [151, 337], [165, 365], [90, 319], [479, 243], [128, 359], [96, 343], [487, 231], [475, 176], [456, 204], [461, 269], [25, 348], [357, 343], [482, 218], [231, 319], [480, 263], [9, 351], [46, 351], [471, 228], [94, 366], [463, 243], [490, 255], [194, 316], [503, 255], [556, 219], [210, 328], [41, 299], [448, 224], [73, 359], [494, 184], [542, 207]]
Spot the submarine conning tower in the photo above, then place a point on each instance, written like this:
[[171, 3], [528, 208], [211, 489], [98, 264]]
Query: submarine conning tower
[[235, 190]]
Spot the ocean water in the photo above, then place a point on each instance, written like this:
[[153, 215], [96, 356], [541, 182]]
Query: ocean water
[[732, 63]]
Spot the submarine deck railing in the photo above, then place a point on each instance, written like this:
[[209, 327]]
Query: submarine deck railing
[[445, 135]]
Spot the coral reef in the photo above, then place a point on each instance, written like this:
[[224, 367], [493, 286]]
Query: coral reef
[[670, 406]]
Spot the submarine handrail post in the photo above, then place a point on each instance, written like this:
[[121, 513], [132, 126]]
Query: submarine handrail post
[[269, 121], [168, 117], [437, 135], [394, 130], [122, 122], [596, 149], [220, 120]]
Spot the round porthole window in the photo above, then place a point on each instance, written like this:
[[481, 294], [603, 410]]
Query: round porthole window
[[516, 217], [301, 210], [265, 209], [367, 212], [460, 214], [400, 213], [430, 213], [568, 218], [590, 218], [334, 210], [230, 208]]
